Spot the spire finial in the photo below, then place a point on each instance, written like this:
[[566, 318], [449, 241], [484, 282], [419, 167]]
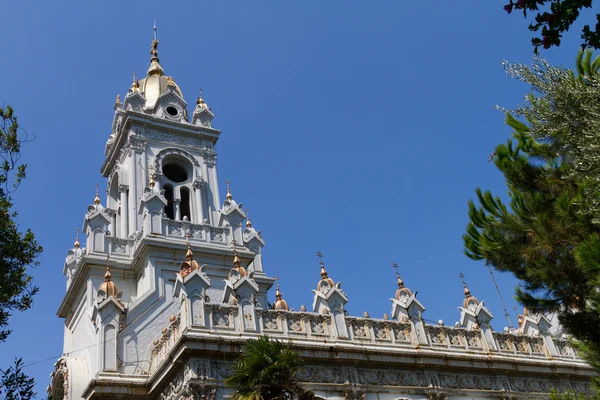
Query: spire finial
[[76, 244], [135, 84], [466, 290], [189, 255], [248, 222], [229, 196], [323, 271], [236, 259], [400, 281], [107, 274], [97, 198], [277, 291], [155, 68]]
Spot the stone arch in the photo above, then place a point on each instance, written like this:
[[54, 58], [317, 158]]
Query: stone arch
[[176, 152], [58, 391]]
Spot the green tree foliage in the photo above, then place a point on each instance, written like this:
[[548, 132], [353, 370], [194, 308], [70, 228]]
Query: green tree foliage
[[18, 251], [14, 384], [553, 18], [547, 235], [266, 370]]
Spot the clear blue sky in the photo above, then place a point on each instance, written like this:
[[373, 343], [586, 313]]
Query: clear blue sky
[[356, 128]]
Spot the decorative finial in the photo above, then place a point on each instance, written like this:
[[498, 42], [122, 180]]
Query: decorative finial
[[135, 84], [155, 68], [152, 182], [200, 101], [189, 255], [248, 222], [466, 290], [277, 291], [236, 259], [76, 244], [229, 196], [107, 274], [400, 281], [118, 101], [323, 271], [97, 198]]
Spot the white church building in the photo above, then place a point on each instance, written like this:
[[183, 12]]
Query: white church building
[[172, 281]]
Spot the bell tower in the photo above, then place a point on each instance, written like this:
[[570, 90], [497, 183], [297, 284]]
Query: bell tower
[[162, 205]]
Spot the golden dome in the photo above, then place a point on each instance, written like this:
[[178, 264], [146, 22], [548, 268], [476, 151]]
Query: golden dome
[[156, 83], [108, 286], [280, 303], [189, 264]]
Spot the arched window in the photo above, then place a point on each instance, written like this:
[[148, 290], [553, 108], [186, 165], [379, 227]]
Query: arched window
[[178, 174], [185, 204], [169, 210], [58, 387]]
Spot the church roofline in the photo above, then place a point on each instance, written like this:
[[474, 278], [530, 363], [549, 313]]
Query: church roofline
[[197, 341]]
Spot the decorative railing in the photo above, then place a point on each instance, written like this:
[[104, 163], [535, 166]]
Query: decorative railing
[[170, 335], [227, 318], [197, 232], [454, 338]]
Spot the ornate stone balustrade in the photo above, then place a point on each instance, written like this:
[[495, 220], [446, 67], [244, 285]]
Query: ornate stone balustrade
[[170, 336], [378, 332], [198, 232]]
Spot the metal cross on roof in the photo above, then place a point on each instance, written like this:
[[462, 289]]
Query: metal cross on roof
[[395, 266], [320, 255]]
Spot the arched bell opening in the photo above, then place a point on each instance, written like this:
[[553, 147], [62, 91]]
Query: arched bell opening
[[185, 204], [169, 208]]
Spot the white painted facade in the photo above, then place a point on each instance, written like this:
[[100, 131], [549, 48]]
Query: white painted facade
[[173, 334]]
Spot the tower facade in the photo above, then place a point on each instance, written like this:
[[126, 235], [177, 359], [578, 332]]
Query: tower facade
[[171, 283]]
